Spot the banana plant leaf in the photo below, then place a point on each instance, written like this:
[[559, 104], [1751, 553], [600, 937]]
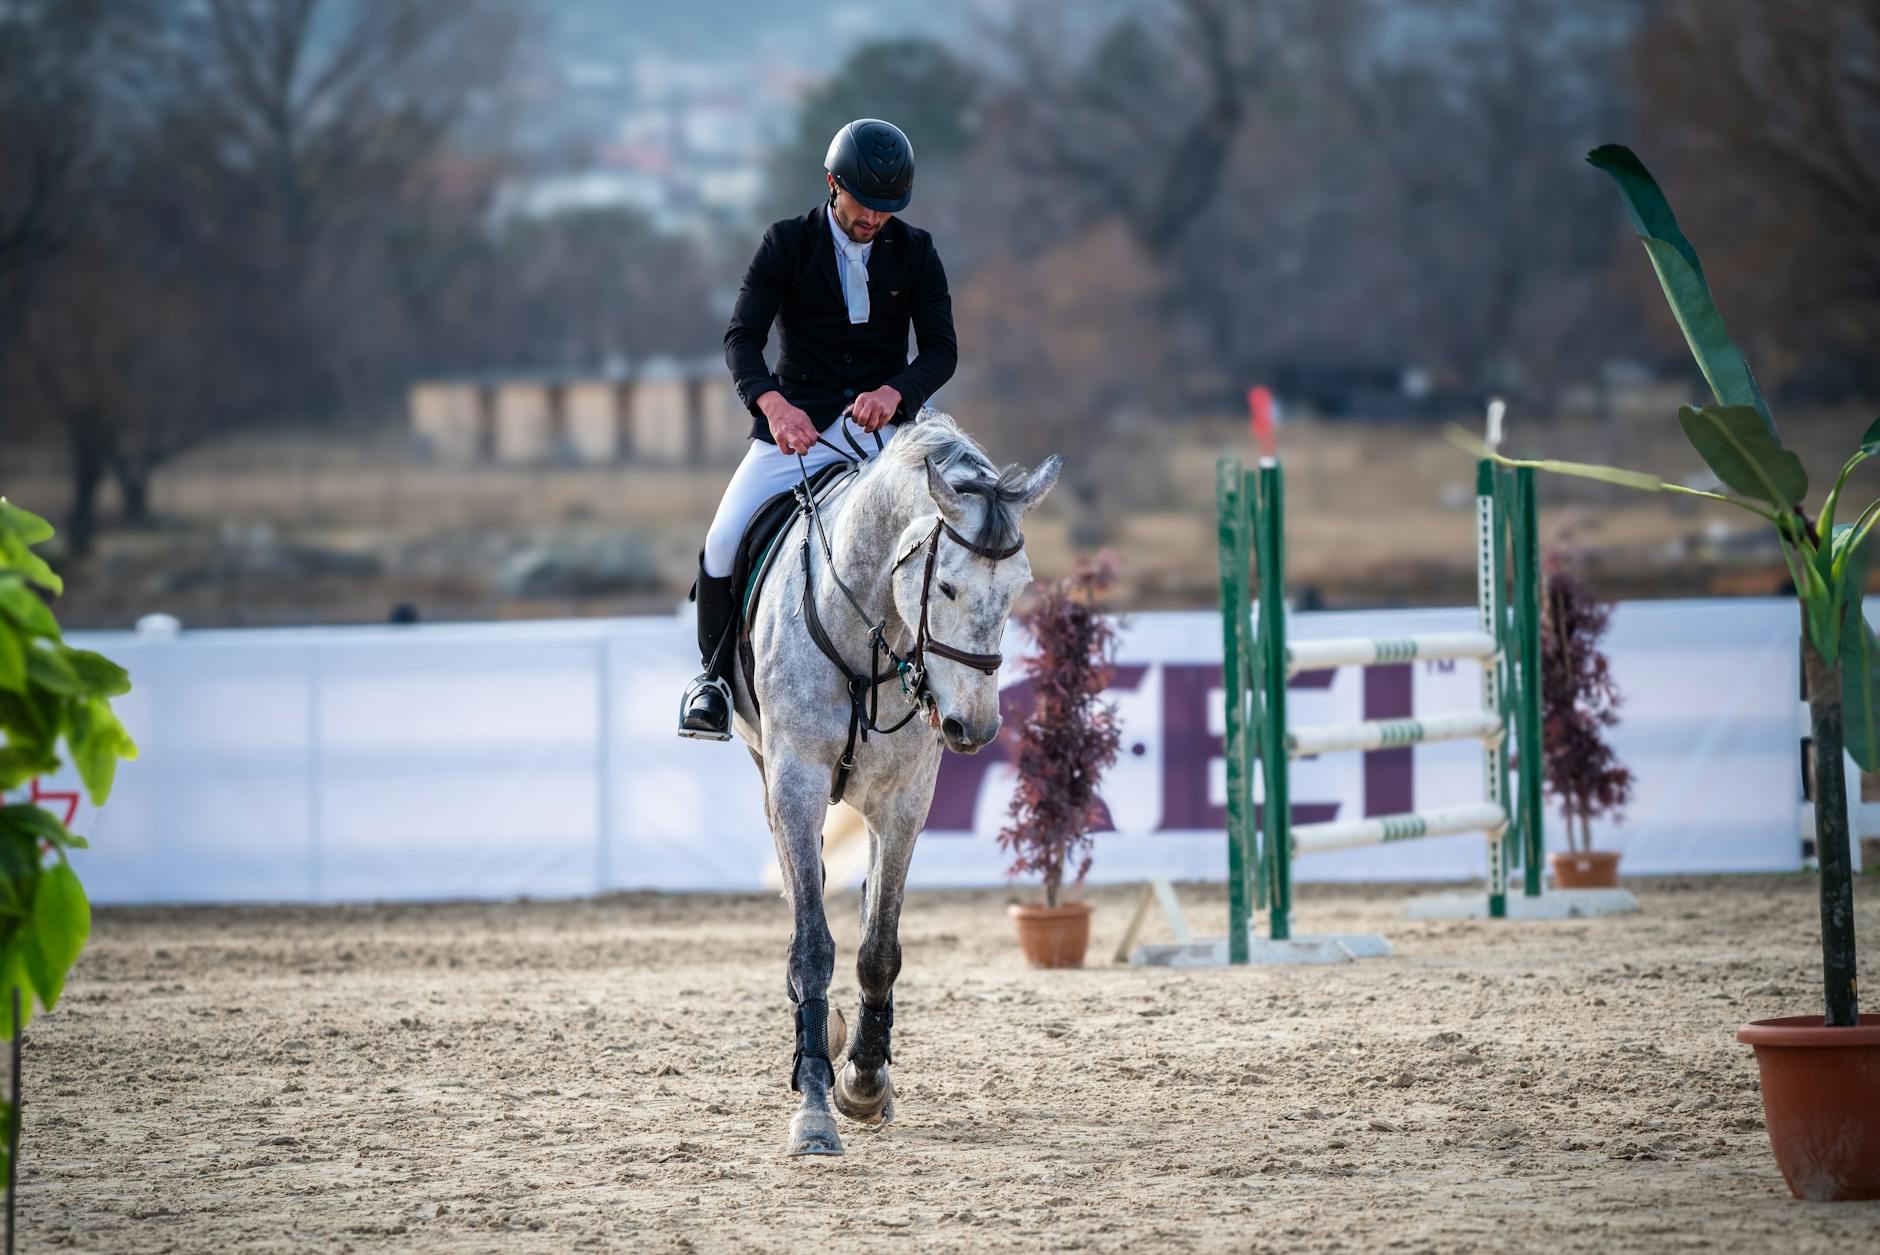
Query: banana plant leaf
[[1734, 443], [1681, 276], [1859, 656], [1475, 446]]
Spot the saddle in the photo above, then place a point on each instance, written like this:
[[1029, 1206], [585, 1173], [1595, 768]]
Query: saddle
[[760, 544]]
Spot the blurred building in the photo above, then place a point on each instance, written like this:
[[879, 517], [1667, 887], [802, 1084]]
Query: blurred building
[[1627, 391], [679, 140], [662, 412]]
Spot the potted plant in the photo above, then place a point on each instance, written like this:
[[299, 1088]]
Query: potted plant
[[1063, 744], [1820, 1073], [1579, 701], [48, 692]]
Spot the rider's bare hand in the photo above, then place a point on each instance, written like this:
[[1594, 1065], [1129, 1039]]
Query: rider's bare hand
[[873, 410], [789, 426]]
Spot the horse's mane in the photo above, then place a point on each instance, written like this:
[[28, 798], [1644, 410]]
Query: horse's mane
[[966, 468]]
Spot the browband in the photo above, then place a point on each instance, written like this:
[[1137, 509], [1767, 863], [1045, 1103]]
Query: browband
[[997, 555], [984, 552]]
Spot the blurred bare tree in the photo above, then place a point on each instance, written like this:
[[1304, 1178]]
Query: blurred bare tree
[[50, 52], [64, 292], [1784, 95], [1483, 192], [273, 143], [595, 285], [1143, 126], [1079, 321], [1319, 175], [230, 193]]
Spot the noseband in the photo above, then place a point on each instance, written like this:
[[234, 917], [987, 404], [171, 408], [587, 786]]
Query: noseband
[[864, 686]]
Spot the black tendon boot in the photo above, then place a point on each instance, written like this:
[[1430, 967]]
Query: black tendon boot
[[705, 712]]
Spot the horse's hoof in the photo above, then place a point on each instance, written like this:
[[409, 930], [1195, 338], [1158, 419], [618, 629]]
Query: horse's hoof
[[814, 1133], [875, 1108]]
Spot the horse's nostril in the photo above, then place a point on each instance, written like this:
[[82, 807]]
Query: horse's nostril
[[953, 728]]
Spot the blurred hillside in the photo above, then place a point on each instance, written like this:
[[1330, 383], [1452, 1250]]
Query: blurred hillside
[[233, 233]]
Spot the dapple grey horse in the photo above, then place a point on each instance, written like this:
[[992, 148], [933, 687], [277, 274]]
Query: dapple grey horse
[[926, 535]]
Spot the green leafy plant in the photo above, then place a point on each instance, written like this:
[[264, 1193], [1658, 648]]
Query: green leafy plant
[[1827, 559], [49, 692]]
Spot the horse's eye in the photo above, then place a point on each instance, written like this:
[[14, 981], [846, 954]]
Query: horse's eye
[[947, 589]]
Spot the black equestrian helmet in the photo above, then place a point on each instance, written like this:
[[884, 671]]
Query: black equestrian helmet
[[874, 163]]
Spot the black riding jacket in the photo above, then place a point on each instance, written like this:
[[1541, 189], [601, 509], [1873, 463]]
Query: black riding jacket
[[824, 361]]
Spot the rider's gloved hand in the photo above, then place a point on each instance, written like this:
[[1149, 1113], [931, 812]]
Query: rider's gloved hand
[[789, 426]]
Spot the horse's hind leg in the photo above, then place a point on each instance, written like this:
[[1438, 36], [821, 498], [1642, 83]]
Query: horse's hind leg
[[797, 806], [864, 1089]]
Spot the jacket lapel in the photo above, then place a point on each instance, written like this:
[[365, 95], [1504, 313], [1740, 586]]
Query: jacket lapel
[[884, 260], [824, 250]]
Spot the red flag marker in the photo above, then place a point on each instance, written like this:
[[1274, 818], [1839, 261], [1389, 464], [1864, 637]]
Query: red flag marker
[[1260, 408]]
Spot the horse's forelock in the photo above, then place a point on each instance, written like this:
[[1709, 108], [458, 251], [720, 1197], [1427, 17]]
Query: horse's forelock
[[1003, 494], [967, 469]]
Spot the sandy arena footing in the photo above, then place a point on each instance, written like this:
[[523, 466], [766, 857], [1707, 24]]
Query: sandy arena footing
[[610, 1075]]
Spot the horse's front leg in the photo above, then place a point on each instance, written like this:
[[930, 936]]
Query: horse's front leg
[[864, 1089], [798, 803]]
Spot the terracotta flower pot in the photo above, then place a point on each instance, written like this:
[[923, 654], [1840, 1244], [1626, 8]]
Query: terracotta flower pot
[[1594, 869], [1821, 1101], [1053, 936]]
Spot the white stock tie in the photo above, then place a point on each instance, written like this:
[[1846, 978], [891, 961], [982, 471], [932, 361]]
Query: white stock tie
[[854, 279]]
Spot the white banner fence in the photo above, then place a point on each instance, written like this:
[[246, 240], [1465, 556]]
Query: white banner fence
[[493, 760]]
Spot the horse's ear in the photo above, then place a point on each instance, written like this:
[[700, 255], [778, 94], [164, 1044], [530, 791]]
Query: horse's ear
[[951, 502], [1040, 481]]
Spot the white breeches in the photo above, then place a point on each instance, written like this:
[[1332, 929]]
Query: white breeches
[[766, 471]]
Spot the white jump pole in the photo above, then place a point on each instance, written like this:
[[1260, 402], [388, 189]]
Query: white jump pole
[[1361, 651], [1379, 829], [1386, 734]]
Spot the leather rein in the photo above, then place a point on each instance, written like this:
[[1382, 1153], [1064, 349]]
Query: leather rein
[[864, 686]]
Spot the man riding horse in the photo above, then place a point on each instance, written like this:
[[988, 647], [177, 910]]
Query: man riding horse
[[874, 646], [846, 280]]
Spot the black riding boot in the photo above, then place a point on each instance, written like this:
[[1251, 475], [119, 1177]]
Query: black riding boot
[[705, 712]]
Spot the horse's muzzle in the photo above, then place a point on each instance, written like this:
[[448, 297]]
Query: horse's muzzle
[[964, 738]]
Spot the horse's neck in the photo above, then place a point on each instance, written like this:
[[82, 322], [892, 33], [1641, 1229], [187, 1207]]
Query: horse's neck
[[873, 514]]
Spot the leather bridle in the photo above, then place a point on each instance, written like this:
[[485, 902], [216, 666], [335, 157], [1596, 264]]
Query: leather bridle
[[911, 670], [924, 643]]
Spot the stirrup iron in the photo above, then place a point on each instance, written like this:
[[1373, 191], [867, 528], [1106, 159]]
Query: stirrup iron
[[693, 690]]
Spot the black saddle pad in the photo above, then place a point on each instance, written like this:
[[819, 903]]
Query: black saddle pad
[[763, 534]]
